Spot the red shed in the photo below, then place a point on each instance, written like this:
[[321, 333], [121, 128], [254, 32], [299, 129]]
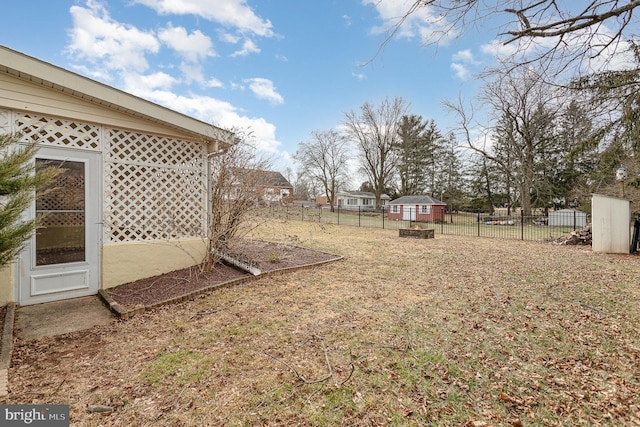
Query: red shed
[[416, 208]]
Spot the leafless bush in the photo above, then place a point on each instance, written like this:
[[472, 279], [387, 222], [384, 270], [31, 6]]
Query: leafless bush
[[235, 192]]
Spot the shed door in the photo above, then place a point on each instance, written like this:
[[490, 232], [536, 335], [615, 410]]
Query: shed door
[[409, 212], [62, 259]]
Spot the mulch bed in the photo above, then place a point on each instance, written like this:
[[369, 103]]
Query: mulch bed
[[266, 256]]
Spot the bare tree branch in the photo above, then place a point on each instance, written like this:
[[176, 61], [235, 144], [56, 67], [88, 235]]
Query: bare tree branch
[[527, 21]]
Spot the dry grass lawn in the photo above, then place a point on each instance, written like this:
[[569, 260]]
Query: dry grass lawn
[[446, 331]]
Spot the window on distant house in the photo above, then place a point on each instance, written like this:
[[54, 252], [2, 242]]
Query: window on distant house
[[366, 202], [425, 209], [284, 193], [395, 209], [352, 202]]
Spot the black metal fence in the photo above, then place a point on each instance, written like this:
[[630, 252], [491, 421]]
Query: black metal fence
[[518, 226]]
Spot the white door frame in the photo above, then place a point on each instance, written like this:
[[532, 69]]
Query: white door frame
[[38, 284]]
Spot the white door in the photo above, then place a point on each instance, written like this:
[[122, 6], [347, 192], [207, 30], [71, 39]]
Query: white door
[[409, 213], [62, 258]]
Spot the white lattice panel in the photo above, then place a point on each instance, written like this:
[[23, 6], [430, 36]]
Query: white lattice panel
[[5, 121], [131, 147], [155, 188], [58, 132]]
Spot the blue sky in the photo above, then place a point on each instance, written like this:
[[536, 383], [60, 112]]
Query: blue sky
[[280, 68]]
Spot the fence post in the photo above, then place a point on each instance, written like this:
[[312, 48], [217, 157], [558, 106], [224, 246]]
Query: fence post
[[521, 224], [302, 212], [358, 216], [574, 220], [478, 221], [382, 209], [338, 214]]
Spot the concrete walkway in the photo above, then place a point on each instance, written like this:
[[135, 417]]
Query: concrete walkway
[[48, 320], [60, 317]]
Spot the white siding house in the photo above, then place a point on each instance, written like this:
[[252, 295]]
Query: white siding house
[[133, 197], [362, 200]]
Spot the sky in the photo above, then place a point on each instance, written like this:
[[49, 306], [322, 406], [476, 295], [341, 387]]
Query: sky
[[279, 69]]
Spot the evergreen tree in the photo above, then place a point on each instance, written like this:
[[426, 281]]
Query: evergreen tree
[[450, 179], [578, 138], [18, 182], [412, 155]]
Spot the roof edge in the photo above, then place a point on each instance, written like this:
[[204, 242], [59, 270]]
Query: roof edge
[[63, 80]]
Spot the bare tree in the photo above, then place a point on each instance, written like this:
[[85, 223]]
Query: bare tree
[[576, 28], [324, 160], [523, 106], [374, 130]]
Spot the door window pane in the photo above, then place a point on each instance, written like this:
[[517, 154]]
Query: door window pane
[[61, 208]]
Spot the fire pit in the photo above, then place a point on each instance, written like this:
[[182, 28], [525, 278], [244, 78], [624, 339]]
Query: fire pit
[[417, 233]]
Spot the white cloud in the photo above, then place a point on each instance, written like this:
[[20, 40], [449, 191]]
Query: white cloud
[[463, 60], [499, 50], [229, 38], [146, 83], [231, 13], [460, 70], [264, 89], [464, 56], [108, 50], [216, 112], [192, 47], [193, 73], [359, 76], [247, 47], [213, 82], [422, 23], [98, 39]]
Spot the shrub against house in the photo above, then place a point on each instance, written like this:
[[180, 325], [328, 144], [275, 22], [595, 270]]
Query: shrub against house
[[416, 208]]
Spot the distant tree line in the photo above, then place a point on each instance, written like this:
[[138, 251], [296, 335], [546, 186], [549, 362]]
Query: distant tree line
[[548, 138]]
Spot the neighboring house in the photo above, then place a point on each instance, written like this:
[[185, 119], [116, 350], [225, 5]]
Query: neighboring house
[[275, 188], [416, 208], [356, 200], [132, 201]]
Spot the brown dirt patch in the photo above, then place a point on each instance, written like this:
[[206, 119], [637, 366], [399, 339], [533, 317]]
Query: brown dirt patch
[[266, 256]]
